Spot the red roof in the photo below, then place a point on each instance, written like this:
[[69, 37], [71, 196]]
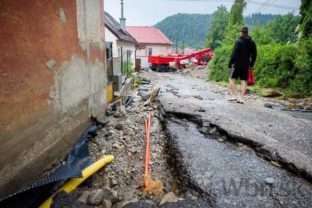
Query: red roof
[[146, 34]]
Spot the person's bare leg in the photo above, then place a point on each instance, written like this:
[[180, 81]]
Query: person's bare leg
[[232, 87], [243, 89]]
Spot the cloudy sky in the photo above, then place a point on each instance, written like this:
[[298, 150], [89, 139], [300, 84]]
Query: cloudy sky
[[149, 12]]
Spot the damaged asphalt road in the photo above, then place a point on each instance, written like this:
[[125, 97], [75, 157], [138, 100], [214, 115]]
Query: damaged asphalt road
[[231, 176], [264, 154]]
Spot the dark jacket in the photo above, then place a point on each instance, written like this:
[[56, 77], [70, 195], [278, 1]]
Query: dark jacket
[[244, 53]]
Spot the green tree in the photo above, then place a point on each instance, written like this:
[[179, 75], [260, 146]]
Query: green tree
[[306, 18], [283, 28], [261, 35], [216, 32], [190, 28], [236, 21]]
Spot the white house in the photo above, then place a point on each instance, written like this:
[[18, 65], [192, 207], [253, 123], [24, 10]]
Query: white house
[[120, 51], [151, 41]]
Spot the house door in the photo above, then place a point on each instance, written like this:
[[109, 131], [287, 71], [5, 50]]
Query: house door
[[109, 65], [109, 61]]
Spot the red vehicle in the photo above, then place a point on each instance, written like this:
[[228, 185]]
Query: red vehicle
[[162, 63]]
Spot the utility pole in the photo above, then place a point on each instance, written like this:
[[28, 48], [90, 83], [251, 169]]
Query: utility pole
[[177, 42]]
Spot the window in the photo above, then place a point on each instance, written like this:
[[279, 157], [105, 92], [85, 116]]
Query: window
[[150, 51]]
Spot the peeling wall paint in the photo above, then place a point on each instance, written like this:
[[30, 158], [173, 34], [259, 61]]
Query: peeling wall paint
[[53, 76]]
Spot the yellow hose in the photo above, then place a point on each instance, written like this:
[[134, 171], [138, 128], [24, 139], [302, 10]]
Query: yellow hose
[[75, 182]]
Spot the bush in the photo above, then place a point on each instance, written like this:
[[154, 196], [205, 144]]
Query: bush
[[275, 65], [127, 67], [219, 65], [302, 83], [286, 67]]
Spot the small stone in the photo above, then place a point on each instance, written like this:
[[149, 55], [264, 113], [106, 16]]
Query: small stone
[[168, 197], [268, 105], [213, 131], [119, 127], [220, 140], [198, 97], [107, 134], [133, 150], [201, 110], [269, 181], [95, 197], [109, 138], [113, 182], [144, 95], [203, 130], [106, 203], [111, 195], [113, 132], [134, 200], [205, 123], [149, 202], [116, 145], [84, 197], [109, 110], [123, 110]]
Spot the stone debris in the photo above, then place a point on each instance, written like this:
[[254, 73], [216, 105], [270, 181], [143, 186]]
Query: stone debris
[[124, 137], [95, 197], [106, 203], [169, 197], [153, 96], [84, 197], [269, 181], [213, 131]]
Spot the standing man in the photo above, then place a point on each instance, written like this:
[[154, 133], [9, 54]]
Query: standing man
[[243, 56]]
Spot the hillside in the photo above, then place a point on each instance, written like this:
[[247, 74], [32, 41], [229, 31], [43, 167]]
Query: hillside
[[192, 28]]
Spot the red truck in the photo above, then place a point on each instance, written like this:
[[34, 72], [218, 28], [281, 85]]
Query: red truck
[[162, 63]]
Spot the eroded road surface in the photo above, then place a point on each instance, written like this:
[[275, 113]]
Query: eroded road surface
[[235, 155]]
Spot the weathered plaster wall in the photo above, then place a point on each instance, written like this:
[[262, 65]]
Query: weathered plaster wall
[[128, 46], [110, 37], [52, 78], [157, 50]]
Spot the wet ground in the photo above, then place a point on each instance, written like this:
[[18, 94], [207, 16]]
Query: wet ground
[[278, 136], [206, 151], [253, 156], [234, 176]]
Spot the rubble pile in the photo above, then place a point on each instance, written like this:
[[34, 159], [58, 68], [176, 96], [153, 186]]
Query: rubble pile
[[122, 181]]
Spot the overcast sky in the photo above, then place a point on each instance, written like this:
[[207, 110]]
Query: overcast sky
[[149, 12]]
